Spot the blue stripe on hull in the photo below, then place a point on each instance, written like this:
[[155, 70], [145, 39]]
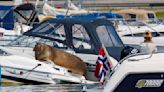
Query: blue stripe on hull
[[146, 82]]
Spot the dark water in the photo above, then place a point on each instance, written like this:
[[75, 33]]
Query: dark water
[[51, 88]]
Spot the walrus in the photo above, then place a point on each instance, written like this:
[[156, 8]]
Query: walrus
[[59, 57]]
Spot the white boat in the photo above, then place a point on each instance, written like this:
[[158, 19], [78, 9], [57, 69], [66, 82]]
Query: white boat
[[81, 40], [138, 73], [131, 33], [15, 20], [136, 23], [24, 69], [70, 9]]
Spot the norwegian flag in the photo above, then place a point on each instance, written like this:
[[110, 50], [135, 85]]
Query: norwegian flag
[[102, 66]]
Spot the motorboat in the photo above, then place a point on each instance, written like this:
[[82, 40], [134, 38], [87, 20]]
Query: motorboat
[[137, 73], [15, 20], [135, 31], [69, 9], [80, 37], [75, 34], [28, 70], [135, 23]]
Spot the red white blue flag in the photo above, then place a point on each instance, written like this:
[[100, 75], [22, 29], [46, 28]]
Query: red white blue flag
[[102, 65]]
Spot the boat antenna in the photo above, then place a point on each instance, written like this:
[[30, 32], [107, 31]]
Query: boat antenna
[[128, 26], [67, 2], [67, 12]]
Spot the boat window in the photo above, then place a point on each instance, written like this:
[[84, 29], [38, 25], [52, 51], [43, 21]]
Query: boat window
[[151, 16], [108, 37], [24, 41], [30, 41], [43, 28], [154, 34], [26, 15], [51, 30], [136, 23], [59, 32], [132, 17], [81, 39], [3, 14], [1, 34]]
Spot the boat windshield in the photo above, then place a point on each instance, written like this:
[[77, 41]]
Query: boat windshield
[[108, 36], [26, 14], [30, 41]]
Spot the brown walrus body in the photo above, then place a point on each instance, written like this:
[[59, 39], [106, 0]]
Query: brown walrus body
[[71, 62]]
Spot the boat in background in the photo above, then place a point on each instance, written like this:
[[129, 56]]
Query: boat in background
[[135, 23], [16, 20], [138, 15], [70, 9]]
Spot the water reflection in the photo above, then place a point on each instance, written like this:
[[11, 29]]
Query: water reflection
[[50, 88]]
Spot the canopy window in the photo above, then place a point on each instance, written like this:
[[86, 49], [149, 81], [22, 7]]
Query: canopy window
[[81, 39], [108, 38]]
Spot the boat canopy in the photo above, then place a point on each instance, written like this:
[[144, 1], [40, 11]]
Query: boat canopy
[[6, 17], [27, 14], [137, 14], [24, 13], [82, 35]]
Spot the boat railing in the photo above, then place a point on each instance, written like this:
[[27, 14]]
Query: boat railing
[[154, 30], [128, 58], [140, 23]]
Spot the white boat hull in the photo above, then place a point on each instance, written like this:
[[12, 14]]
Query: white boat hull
[[23, 68]]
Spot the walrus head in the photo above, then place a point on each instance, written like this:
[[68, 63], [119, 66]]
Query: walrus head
[[38, 47]]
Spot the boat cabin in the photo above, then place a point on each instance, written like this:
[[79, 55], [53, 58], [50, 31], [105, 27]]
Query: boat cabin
[[137, 14], [81, 35]]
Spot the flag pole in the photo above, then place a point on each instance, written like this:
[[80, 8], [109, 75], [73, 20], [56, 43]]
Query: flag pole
[[104, 65], [108, 72], [113, 64]]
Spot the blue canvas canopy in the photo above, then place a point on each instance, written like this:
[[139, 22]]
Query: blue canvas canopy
[[24, 13], [6, 17], [89, 31], [108, 15]]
